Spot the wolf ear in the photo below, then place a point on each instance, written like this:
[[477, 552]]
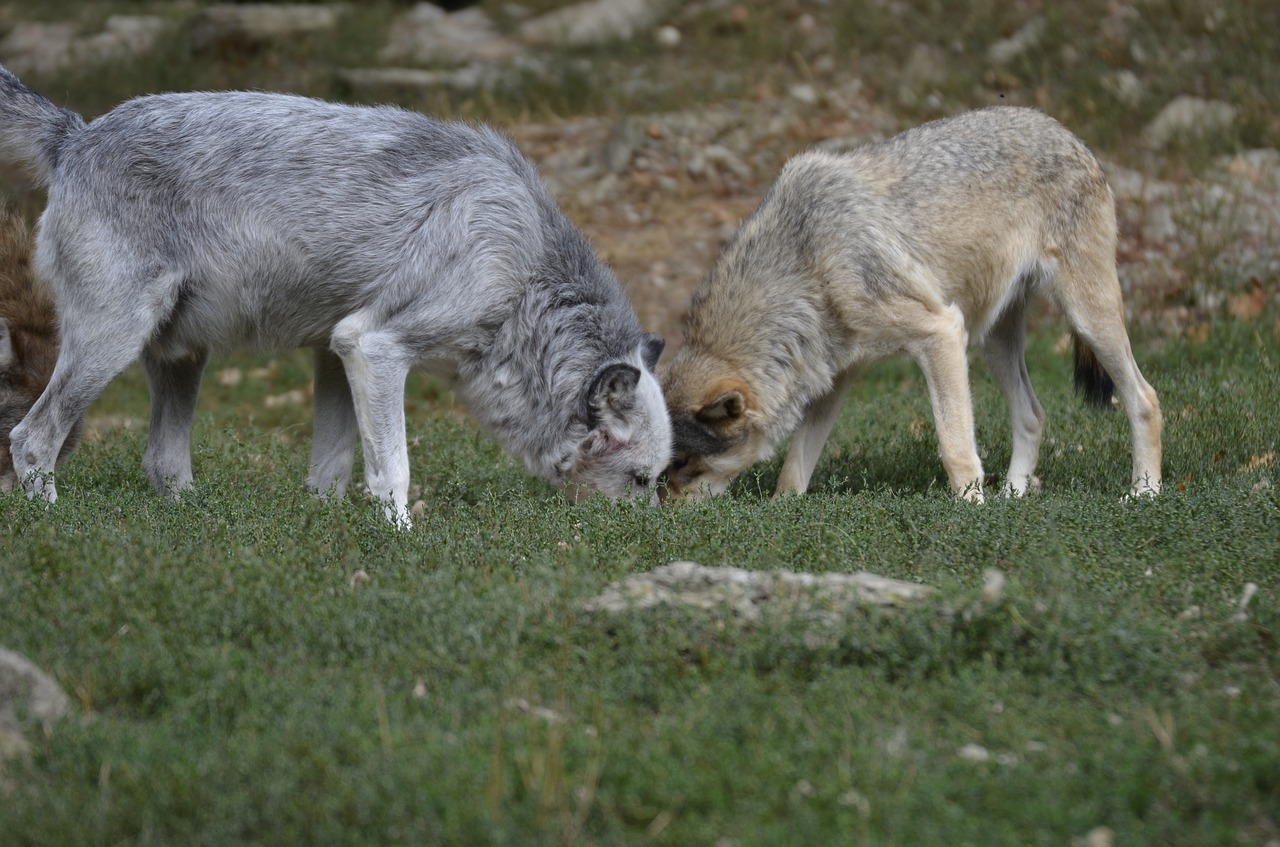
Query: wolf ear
[[612, 390], [728, 405], [651, 349], [7, 354]]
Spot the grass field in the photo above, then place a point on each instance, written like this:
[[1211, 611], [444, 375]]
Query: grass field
[[253, 666], [237, 686]]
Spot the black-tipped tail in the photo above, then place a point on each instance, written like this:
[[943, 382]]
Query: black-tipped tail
[[1091, 380]]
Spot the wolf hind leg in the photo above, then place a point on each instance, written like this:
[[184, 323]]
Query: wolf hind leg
[[333, 440], [1005, 354], [377, 366], [808, 440], [1089, 292], [174, 387], [98, 340]]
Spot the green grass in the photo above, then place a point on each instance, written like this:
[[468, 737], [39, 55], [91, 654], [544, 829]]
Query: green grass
[[232, 687]]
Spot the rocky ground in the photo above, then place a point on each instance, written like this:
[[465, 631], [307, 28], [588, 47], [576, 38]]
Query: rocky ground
[[658, 193]]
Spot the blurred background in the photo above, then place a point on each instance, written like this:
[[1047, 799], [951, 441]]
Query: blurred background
[[659, 124]]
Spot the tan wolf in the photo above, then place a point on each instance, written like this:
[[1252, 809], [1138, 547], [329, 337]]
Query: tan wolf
[[911, 246]]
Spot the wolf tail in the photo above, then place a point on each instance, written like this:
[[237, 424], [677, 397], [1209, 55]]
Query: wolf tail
[[1091, 380], [32, 128]]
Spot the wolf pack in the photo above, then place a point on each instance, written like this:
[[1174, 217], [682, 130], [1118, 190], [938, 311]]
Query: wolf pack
[[186, 225]]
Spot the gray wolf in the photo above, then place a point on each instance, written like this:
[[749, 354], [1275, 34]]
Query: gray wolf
[[913, 246], [183, 224]]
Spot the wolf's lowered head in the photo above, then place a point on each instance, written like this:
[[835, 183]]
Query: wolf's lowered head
[[718, 427], [629, 437]]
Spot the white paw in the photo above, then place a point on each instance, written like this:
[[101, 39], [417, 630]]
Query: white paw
[[1021, 486]]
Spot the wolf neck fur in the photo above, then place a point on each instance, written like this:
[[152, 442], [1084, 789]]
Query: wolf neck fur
[[567, 323]]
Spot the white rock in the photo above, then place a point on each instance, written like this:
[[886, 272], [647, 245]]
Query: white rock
[[47, 47], [667, 36], [747, 593], [28, 692], [429, 34], [593, 22], [1188, 117], [255, 23], [1007, 49]]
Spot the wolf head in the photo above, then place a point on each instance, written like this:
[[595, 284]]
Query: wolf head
[[718, 427], [629, 432]]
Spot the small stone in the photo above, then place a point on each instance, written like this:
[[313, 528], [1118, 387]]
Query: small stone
[[1126, 86], [1188, 117], [28, 697], [240, 25], [428, 34], [592, 22], [974, 753], [804, 92], [668, 37], [359, 578], [1007, 49]]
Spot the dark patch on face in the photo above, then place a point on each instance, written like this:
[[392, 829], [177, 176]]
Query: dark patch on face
[[690, 435]]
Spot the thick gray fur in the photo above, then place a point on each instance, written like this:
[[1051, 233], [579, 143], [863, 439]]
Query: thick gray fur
[[179, 225]]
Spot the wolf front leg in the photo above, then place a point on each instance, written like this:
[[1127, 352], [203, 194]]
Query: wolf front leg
[[175, 387], [939, 347], [809, 438], [377, 365]]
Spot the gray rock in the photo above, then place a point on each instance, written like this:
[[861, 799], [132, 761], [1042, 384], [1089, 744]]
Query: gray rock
[[364, 80], [252, 24], [1188, 117], [747, 594], [28, 697], [593, 22], [428, 34], [1125, 86], [1007, 49], [35, 47]]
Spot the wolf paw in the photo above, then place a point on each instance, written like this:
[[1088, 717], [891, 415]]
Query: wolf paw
[[1022, 486]]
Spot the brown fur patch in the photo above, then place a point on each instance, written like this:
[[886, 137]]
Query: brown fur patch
[[718, 390], [27, 306]]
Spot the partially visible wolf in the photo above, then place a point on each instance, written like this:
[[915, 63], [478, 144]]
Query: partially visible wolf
[[28, 338], [908, 247], [180, 224]]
